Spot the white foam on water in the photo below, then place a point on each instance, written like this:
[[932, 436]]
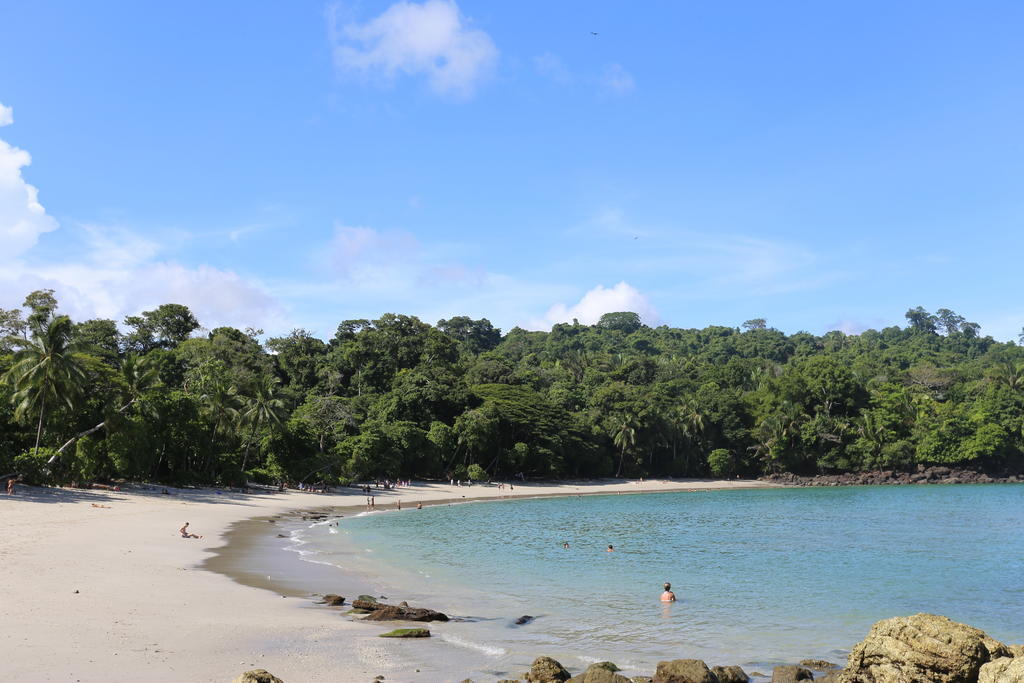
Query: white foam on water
[[469, 644]]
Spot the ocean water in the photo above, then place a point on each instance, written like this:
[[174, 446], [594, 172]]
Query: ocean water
[[763, 576]]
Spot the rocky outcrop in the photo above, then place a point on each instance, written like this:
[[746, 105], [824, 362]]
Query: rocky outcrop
[[525, 619], [922, 647], [921, 475], [601, 672], [546, 670], [1002, 670], [257, 676], [791, 674], [407, 633], [730, 674], [683, 671], [401, 612]]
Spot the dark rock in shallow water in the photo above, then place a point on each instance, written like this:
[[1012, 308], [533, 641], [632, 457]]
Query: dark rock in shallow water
[[402, 613], [683, 671], [922, 647], [367, 598], [525, 619], [817, 664], [257, 676], [546, 670], [730, 674], [791, 674], [332, 600], [407, 633]]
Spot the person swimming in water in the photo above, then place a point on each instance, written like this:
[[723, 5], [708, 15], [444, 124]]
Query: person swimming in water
[[611, 549], [668, 595]]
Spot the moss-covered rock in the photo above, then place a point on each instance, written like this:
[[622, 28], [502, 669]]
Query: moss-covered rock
[[407, 633]]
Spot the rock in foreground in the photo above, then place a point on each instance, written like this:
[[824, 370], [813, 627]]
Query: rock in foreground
[[922, 647], [684, 671], [791, 674], [601, 672], [546, 670], [1002, 670], [730, 674], [257, 676]]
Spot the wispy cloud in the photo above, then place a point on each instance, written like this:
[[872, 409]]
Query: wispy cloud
[[6, 115], [550, 65], [616, 80], [432, 39]]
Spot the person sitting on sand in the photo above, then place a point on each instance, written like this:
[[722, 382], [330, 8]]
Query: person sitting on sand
[[185, 532], [668, 595]]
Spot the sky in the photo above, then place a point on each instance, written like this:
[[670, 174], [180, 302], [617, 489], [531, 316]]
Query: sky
[[283, 165]]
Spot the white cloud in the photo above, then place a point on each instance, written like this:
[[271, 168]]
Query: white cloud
[[117, 272], [22, 218], [617, 80], [431, 38], [597, 302], [120, 274], [551, 66]]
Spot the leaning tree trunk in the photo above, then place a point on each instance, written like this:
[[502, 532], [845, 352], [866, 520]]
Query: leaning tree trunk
[[39, 429], [92, 430], [248, 443]]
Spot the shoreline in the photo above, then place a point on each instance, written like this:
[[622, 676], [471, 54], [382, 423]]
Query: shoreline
[[102, 587]]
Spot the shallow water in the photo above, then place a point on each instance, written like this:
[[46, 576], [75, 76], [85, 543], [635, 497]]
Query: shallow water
[[763, 576]]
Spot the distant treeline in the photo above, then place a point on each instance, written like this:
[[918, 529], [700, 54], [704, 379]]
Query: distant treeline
[[398, 398]]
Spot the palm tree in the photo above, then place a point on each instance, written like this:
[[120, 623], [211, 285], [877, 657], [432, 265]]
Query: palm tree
[[137, 376], [262, 406], [46, 373], [1009, 375], [625, 438], [221, 400]]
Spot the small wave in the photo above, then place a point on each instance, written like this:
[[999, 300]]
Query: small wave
[[479, 647]]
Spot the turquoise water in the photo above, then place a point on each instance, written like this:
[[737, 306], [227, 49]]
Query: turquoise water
[[763, 576]]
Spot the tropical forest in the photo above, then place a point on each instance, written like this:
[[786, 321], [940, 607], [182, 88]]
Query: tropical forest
[[158, 398]]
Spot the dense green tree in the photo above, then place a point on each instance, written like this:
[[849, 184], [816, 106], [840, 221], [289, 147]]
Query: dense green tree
[[46, 374], [162, 328]]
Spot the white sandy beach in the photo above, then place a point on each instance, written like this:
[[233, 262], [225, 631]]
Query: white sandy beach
[[115, 594]]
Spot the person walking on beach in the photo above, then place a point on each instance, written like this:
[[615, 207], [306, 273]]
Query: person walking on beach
[[10, 485], [668, 595]]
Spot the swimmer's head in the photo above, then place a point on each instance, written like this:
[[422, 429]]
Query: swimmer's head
[[668, 586]]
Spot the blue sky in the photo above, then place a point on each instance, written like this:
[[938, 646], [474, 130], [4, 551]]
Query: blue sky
[[279, 165]]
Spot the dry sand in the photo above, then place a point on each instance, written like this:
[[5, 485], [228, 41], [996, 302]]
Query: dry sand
[[114, 593]]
